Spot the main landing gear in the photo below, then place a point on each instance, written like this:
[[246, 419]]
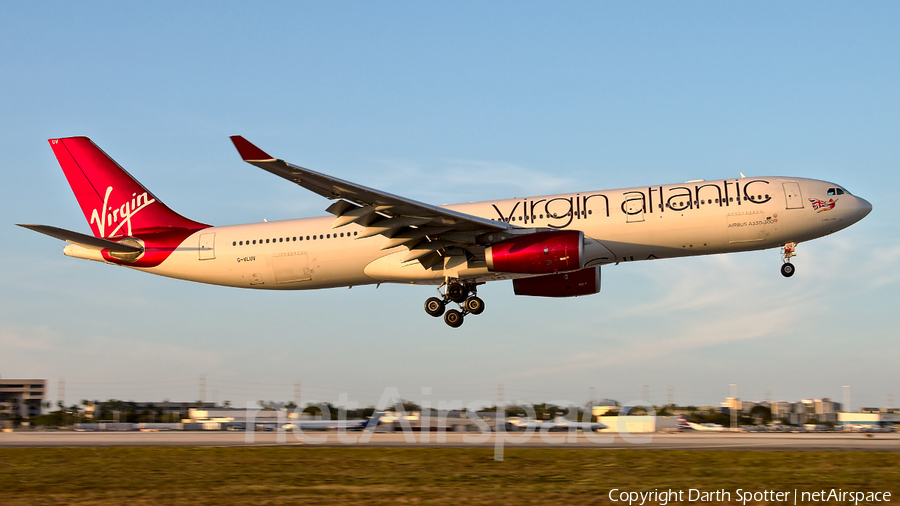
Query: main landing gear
[[464, 294], [787, 251]]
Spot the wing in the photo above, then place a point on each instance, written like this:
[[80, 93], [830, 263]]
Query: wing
[[429, 232], [83, 240]]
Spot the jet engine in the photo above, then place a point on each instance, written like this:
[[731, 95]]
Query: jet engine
[[538, 253], [567, 284]]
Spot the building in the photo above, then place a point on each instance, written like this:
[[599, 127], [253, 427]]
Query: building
[[158, 409], [824, 410], [868, 420], [21, 397], [604, 406], [794, 413]]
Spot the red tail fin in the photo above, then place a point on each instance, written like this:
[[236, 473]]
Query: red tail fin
[[114, 203]]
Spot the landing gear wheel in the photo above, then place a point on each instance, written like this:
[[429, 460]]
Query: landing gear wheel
[[457, 292], [787, 269], [434, 306], [453, 318], [474, 305]]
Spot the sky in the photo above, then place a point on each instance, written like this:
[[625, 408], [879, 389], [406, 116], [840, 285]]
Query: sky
[[454, 102]]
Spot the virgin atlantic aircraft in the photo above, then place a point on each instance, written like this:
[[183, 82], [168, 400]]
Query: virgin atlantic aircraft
[[549, 246]]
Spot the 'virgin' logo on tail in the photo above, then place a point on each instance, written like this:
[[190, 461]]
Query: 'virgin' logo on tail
[[121, 215]]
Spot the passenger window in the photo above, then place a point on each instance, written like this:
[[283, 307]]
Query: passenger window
[[321, 236], [314, 238], [307, 238], [267, 241], [234, 243], [354, 233]]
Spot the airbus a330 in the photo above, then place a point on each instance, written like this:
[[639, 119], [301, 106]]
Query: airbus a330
[[549, 246]]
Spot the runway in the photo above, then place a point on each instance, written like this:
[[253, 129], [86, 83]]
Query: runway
[[889, 442]]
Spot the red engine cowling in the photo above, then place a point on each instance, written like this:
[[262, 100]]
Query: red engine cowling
[[569, 284], [538, 253]]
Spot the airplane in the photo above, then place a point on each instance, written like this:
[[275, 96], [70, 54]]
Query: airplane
[[779, 427], [558, 423], [549, 246], [357, 424], [684, 423]]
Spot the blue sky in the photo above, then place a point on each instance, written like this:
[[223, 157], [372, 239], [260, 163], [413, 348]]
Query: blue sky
[[448, 103]]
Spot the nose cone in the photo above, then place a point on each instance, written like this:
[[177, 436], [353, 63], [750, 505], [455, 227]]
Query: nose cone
[[863, 208]]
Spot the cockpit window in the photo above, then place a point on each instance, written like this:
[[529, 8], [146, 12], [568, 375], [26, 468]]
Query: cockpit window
[[838, 191]]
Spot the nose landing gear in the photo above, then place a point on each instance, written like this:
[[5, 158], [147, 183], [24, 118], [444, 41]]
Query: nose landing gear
[[463, 294], [787, 251]]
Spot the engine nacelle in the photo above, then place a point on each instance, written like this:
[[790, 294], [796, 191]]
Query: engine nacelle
[[538, 253], [568, 284]]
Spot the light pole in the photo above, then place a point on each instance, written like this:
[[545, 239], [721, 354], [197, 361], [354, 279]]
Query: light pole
[[733, 408]]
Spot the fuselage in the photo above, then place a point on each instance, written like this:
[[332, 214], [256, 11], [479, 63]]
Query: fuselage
[[643, 223]]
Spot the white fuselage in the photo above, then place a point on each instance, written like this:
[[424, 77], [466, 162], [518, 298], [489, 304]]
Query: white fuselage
[[695, 218]]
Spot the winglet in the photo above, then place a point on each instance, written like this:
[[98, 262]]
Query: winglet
[[248, 151]]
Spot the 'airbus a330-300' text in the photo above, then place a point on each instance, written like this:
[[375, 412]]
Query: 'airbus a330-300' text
[[549, 246]]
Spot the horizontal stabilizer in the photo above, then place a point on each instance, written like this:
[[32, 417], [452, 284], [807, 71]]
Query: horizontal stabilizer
[[88, 241]]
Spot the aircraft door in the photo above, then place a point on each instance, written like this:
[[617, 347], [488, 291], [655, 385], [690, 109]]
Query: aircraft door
[[208, 246], [792, 196]]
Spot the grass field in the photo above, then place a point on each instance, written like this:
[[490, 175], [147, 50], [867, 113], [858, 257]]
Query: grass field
[[324, 476]]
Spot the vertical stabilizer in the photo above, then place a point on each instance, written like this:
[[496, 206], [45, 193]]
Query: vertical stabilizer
[[114, 203]]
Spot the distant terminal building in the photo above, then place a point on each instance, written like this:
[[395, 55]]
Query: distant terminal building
[[21, 397], [163, 408], [794, 413], [872, 418]]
